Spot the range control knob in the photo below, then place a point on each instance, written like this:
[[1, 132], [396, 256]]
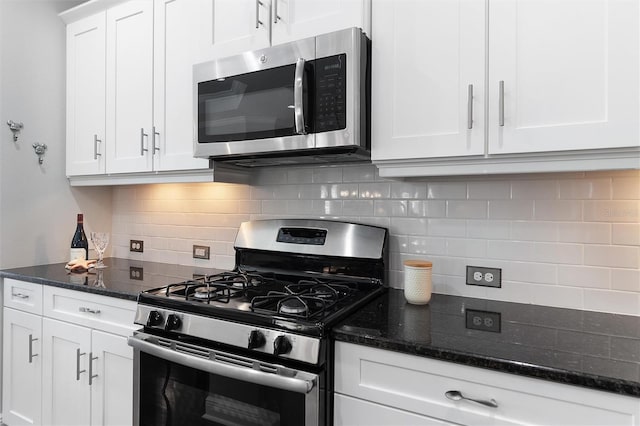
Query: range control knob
[[154, 319], [281, 345], [173, 322], [256, 339]]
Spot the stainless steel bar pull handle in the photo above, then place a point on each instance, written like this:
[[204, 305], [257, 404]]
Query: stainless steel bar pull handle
[[78, 371], [142, 136], [31, 354], [91, 375], [298, 108], [153, 140], [455, 395], [20, 295], [501, 103], [275, 12], [258, 21], [89, 310], [96, 154], [470, 107]]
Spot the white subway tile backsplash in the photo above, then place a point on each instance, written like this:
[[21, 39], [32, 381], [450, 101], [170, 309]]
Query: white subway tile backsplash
[[511, 209], [447, 190], [584, 276], [585, 189], [626, 188], [584, 232], [627, 234], [430, 208], [466, 209], [625, 279], [534, 190], [379, 190], [534, 231], [563, 239], [612, 211], [557, 210], [615, 256], [489, 190], [409, 190], [359, 173]]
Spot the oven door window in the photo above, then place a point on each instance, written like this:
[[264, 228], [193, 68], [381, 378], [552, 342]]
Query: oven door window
[[255, 105], [173, 394]]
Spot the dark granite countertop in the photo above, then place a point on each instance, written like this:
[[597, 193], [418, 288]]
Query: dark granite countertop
[[590, 349], [116, 278]]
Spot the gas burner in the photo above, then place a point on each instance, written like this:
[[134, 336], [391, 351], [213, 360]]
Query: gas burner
[[292, 306], [204, 292]]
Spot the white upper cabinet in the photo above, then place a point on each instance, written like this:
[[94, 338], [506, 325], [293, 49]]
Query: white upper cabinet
[[86, 53], [297, 19], [130, 87], [183, 31], [426, 55], [242, 25], [505, 86], [570, 72]]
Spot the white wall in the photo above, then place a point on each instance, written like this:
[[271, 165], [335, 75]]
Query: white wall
[[37, 206], [569, 240]]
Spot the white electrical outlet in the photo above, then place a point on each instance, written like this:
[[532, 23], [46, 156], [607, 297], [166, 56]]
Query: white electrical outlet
[[488, 277], [483, 276]]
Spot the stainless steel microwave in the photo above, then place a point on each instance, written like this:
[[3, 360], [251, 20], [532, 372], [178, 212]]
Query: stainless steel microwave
[[300, 102]]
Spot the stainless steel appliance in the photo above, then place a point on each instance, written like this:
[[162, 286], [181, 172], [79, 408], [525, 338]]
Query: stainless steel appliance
[[299, 102], [251, 346]]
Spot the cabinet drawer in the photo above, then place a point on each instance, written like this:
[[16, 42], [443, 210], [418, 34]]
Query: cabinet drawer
[[91, 310], [419, 385], [23, 296]]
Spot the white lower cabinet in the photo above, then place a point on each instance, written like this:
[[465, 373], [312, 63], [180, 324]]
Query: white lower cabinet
[[66, 360], [376, 387]]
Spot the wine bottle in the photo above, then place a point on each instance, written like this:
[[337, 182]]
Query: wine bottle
[[79, 243]]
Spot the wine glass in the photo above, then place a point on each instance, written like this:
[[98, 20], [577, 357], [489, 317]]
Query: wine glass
[[100, 241]]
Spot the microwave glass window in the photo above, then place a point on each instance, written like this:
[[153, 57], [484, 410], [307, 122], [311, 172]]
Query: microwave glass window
[[248, 106]]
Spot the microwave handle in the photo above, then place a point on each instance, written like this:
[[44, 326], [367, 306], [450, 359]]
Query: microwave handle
[[298, 108]]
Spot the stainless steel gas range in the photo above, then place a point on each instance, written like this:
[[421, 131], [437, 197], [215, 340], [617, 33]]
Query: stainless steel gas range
[[251, 346]]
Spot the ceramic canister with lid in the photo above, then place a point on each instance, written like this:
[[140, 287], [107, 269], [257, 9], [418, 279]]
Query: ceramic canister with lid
[[417, 281]]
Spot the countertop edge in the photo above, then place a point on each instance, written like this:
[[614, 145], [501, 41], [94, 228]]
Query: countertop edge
[[66, 285], [590, 381]]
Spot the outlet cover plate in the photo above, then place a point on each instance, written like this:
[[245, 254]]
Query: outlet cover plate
[[482, 276], [201, 252], [136, 273], [136, 246], [483, 320]]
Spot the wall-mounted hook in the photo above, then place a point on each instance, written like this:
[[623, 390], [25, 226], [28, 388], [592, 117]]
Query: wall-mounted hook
[[15, 128], [40, 148]]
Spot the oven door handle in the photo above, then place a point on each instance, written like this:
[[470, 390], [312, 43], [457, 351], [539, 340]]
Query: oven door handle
[[216, 367]]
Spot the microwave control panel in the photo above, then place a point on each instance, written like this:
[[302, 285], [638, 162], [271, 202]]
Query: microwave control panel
[[330, 93]]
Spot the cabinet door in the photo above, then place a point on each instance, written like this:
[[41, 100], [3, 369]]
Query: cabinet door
[[86, 52], [240, 25], [22, 368], [130, 87], [112, 386], [66, 399], [570, 71], [425, 55], [297, 19], [182, 29]]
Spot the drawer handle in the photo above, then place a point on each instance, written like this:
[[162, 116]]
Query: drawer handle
[[455, 395], [20, 295], [89, 310]]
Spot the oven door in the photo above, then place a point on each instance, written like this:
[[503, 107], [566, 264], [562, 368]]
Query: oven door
[[182, 384]]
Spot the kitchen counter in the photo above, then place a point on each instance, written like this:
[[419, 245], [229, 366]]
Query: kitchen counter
[[116, 280], [584, 348]]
